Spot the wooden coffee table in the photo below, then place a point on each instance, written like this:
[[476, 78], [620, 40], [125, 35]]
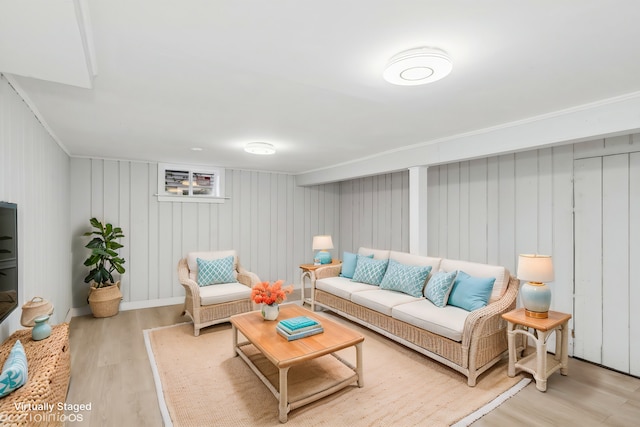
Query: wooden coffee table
[[263, 342]]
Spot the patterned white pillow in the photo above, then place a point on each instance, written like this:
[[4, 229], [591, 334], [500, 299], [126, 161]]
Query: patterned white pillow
[[439, 287], [408, 279], [369, 270], [215, 271], [14, 371]]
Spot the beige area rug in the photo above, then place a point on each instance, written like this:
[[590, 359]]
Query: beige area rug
[[201, 383]]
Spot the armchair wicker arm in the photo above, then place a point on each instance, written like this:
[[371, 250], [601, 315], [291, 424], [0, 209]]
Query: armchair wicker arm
[[190, 286], [247, 278], [479, 320], [328, 271]]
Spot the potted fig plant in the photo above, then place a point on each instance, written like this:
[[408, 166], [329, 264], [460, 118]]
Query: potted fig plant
[[104, 294]]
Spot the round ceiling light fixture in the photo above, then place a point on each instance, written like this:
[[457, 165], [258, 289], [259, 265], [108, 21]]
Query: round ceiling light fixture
[[261, 148], [418, 66]]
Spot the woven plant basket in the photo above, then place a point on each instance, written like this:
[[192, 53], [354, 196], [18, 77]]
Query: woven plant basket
[[105, 302], [38, 306]]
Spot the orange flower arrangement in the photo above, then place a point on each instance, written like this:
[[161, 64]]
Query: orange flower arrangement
[[266, 293]]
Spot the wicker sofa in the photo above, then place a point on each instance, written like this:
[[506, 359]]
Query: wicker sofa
[[210, 305], [469, 342], [49, 366]]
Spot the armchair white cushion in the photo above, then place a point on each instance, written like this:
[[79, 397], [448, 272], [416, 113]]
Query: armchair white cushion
[[216, 303]]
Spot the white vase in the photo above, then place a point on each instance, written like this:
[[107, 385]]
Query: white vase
[[270, 311]]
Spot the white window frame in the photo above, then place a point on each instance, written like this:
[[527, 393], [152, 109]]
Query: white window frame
[[217, 193]]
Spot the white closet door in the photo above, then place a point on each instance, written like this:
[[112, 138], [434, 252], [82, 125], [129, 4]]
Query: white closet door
[[607, 198]]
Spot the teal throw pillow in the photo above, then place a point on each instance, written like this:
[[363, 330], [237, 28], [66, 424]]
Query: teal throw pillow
[[408, 279], [15, 371], [369, 270], [349, 262], [439, 287], [470, 293], [215, 271]]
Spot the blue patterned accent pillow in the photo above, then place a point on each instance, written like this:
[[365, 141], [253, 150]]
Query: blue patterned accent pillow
[[439, 287], [215, 271], [15, 371], [349, 262], [470, 293], [369, 270], [405, 278]]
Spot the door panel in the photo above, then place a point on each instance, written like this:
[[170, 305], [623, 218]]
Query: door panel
[[587, 343], [607, 254]]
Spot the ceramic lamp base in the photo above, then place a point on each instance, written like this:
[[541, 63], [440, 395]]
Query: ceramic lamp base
[[536, 298], [324, 257]]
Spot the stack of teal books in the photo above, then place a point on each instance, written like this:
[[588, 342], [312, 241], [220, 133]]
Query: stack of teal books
[[298, 327]]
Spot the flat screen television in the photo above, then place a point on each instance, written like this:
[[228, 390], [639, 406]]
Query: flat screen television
[[8, 258]]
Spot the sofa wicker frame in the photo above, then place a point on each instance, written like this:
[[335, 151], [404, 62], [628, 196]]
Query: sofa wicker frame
[[209, 315], [484, 338]]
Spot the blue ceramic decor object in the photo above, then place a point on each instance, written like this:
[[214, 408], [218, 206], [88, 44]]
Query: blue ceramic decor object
[[323, 257], [42, 329]]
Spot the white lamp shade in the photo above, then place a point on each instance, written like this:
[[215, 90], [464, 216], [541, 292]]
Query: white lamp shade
[[322, 242], [535, 268]]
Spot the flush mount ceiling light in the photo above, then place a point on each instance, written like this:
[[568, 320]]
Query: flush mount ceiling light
[[418, 66], [262, 148]]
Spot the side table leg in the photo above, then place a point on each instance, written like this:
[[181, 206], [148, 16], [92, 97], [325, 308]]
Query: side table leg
[[283, 404], [511, 339], [312, 296], [564, 349], [541, 361]]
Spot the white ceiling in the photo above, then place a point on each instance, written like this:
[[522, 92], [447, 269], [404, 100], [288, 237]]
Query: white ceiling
[[305, 76]]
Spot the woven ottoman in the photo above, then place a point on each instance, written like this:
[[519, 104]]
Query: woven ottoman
[[40, 401]]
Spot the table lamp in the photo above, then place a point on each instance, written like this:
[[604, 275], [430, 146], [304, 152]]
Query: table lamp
[[321, 244], [536, 296]]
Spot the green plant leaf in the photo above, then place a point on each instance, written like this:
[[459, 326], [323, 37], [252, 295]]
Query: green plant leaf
[[104, 259], [96, 242]]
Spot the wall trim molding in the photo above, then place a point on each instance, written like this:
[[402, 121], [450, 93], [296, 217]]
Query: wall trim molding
[[604, 118], [22, 94], [129, 305]]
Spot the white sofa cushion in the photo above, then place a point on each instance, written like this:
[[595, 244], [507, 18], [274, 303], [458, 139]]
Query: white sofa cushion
[[377, 253], [192, 261], [224, 292], [475, 269], [410, 259], [446, 321], [342, 287], [381, 300]]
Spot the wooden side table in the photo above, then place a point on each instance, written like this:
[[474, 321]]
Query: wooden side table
[[309, 272], [540, 364]]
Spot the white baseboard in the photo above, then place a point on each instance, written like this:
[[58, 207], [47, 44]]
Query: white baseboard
[[134, 305], [129, 305]]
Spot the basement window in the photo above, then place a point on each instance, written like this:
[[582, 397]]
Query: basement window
[[190, 183]]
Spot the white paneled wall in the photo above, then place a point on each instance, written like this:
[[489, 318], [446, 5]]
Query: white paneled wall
[[374, 212], [34, 173], [268, 220], [490, 210]]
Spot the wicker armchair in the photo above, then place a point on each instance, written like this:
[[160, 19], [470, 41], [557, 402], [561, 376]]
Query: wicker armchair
[[210, 305]]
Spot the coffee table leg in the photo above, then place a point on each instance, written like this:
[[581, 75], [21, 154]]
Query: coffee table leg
[[283, 406], [359, 364], [234, 333]]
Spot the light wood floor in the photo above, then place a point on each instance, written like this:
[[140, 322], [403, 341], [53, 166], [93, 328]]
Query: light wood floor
[[110, 369]]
